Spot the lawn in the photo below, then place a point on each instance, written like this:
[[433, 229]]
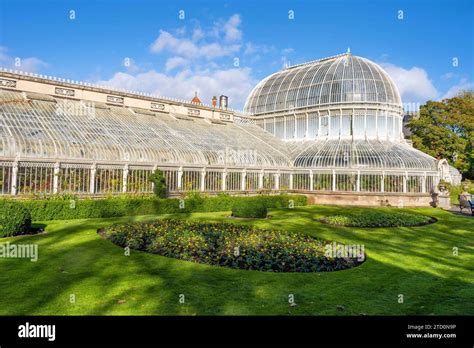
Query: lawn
[[416, 262]]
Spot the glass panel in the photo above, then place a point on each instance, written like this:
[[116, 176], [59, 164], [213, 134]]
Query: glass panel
[[346, 125], [371, 126]]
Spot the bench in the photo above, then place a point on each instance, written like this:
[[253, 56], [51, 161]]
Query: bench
[[466, 201]]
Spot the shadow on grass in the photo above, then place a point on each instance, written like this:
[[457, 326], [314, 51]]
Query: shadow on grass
[[74, 260]]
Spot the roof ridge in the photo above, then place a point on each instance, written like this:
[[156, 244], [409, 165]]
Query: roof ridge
[[318, 60], [104, 88]]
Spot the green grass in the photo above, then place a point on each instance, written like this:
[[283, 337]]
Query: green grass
[[417, 262]]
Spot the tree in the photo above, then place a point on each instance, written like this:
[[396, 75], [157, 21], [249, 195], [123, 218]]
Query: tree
[[159, 183], [445, 129]]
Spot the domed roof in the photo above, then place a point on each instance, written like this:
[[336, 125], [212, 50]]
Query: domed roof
[[335, 80]]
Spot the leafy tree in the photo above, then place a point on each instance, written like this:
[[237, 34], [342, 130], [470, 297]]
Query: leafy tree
[[159, 183], [445, 129]]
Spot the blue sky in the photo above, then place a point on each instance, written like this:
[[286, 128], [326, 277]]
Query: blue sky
[[226, 47]]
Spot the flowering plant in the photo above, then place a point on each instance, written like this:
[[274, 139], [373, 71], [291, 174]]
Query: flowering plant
[[230, 245]]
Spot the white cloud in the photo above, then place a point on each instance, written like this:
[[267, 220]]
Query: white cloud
[[463, 85], [131, 65], [180, 31], [222, 39], [235, 83], [413, 84], [252, 48], [175, 62], [197, 60], [29, 64], [166, 42], [215, 50], [198, 34], [231, 29]]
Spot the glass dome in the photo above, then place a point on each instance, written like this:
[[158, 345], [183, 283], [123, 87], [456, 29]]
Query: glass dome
[[342, 79]]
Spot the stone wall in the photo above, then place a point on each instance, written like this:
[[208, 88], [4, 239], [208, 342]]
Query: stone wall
[[370, 199]]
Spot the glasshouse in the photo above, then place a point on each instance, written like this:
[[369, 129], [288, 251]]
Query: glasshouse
[[330, 126]]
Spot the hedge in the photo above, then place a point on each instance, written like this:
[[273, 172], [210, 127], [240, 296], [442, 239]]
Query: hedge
[[251, 208], [67, 209], [375, 218], [15, 219]]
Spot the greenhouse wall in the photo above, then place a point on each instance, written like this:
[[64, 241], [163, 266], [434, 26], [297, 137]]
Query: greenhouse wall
[[39, 178]]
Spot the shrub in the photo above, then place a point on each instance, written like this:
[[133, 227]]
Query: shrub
[[234, 246], [250, 208], [159, 183], [56, 208], [15, 219], [375, 218], [194, 200]]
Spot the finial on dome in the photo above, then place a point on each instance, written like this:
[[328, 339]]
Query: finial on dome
[[348, 50]]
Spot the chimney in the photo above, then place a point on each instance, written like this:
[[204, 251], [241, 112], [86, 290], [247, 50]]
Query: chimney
[[223, 102], [214, 101]]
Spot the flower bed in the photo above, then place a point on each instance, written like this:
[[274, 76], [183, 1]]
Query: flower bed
[[375, 218], [243, 247]]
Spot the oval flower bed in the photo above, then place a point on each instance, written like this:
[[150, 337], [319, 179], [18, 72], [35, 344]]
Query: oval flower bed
[[244, 247], [375, 218]]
